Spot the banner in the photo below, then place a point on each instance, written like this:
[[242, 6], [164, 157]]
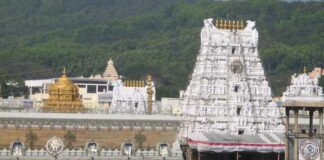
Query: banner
[[309, 149]]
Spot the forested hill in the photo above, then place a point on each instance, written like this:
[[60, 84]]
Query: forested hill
[[160, 37]]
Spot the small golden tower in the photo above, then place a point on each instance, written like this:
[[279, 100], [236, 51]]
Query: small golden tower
[[63, 96]]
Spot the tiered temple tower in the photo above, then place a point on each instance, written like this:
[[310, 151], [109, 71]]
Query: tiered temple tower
[[110, 72], [304, 87], [228, 92]]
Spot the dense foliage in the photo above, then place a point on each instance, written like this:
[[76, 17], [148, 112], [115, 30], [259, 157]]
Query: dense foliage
[[161, 37]]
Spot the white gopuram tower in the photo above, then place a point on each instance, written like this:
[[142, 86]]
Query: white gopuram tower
[[228, 92], [304, 87]]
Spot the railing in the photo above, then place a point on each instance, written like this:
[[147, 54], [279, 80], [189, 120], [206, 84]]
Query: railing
[[83, 153], [89, 111]]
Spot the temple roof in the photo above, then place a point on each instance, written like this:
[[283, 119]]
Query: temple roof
[[110, 71], [63, 82]]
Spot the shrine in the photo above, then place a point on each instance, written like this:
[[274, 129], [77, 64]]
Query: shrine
[[63, 96]]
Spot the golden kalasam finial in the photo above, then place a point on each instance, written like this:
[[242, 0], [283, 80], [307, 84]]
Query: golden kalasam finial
[[242, 25], [305, 69], [137, 84], [221, 24], [229, 24], [216, 23], [225, 24], [237, 25], [64, 72], [143, 83]]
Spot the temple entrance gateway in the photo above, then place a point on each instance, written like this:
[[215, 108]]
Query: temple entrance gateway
[[227, 105]]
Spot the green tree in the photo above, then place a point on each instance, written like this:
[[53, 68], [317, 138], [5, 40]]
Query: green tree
[[69, 139], [140, 138], [31, 138]]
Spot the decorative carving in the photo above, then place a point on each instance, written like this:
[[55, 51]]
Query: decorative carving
[[54, 146], [236, 66]]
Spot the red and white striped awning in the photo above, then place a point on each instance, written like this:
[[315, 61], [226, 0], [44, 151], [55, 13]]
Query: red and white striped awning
[[213, 142]]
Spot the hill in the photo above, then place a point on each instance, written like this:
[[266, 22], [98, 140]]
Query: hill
[[161, 37]]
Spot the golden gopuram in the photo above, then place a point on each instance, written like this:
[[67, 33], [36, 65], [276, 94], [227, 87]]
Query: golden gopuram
[[63, 96]]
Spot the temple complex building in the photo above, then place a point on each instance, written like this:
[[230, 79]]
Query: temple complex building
[[131, 113], [226, 111], [103, 93]]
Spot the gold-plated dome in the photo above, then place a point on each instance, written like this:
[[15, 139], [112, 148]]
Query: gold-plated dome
[[63, 96]]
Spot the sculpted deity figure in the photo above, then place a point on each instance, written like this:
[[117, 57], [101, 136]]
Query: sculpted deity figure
[[17, 150], [250, 25], [209, 23]]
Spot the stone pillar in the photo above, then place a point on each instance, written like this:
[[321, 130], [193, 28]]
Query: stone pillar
[[311, 112], [198, 155], [188, 152], [295, 133], [320, 112], [320, 118], [287, 130]]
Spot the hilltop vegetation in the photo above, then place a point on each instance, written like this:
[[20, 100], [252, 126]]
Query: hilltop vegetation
[[161, 37]]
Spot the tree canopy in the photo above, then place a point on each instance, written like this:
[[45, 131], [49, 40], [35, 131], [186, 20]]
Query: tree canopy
[[161, 37]]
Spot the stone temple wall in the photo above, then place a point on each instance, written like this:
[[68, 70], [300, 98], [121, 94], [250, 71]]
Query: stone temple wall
[[106, 138], [107, 130]]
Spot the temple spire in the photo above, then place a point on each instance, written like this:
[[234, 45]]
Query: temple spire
[[110, 71]]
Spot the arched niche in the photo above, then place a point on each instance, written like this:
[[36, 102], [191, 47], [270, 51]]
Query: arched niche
[[92, 148], [163, 149], [127, 149], [17, 148]]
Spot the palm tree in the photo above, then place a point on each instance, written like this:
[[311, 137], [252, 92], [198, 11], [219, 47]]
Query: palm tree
[[31, 138], [140, 139], [69, 138]]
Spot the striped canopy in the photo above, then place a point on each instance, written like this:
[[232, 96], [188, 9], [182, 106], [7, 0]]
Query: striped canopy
[[213, 142]]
